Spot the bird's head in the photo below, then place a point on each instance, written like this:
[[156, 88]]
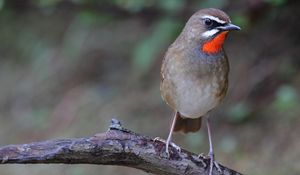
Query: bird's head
[[209, 28]]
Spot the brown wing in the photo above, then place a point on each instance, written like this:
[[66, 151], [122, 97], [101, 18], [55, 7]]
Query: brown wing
[[223, 90], [167, 86]]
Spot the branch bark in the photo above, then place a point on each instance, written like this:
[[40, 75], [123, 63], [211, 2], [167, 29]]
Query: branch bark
[[117, 146]]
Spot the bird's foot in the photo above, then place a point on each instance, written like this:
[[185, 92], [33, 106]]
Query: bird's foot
[[201, 155], [159, 139], [167, 145], [213, 163], [165, 142], [218, 167]]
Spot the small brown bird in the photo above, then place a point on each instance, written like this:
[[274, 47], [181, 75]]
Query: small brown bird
[[195, 72]]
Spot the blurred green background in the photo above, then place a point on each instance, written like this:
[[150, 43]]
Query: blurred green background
[[68, 67]]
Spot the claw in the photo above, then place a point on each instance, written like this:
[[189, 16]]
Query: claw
[[213, 163], [201, 155], [176, 147], [159, 139], [218, 166], [167, 146]]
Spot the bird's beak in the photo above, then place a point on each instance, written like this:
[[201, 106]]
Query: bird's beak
[[228, 27]]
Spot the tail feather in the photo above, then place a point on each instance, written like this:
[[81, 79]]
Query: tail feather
[[186, 124]]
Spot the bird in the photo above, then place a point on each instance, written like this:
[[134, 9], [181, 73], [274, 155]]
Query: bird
[[194, 73]]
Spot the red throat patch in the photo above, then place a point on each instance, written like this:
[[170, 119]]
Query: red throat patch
[[215, 45]]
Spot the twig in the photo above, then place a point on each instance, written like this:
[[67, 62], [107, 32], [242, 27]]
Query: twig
[[117, 146]]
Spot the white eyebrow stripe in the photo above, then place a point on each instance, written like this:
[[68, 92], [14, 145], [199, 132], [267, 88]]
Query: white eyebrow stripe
[[210, 33], [214, 18]]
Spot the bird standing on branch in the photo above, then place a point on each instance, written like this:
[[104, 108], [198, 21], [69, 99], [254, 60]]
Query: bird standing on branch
[[195, 72]]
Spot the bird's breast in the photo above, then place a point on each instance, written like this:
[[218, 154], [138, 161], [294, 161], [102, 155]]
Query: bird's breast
[[194, 87], [196, 97]]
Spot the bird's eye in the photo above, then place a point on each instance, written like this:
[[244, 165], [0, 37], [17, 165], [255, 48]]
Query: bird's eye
[[208, 22]]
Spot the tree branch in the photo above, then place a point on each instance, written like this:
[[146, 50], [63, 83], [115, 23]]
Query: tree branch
[[117, 146]]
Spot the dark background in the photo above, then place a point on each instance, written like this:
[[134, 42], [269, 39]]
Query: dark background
[[68, 67]]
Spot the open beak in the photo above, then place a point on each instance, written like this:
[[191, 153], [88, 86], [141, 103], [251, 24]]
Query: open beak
[[228, 27]]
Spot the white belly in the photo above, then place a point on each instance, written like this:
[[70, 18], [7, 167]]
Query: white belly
[[196, 98]]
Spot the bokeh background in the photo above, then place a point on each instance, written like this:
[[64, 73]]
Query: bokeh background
[[68, 67]]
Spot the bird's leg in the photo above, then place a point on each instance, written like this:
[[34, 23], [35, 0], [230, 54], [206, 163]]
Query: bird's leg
[[170, 136], [211, 149], [168, 141]]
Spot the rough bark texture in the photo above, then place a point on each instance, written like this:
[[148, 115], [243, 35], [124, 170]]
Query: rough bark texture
[[117, 146]]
